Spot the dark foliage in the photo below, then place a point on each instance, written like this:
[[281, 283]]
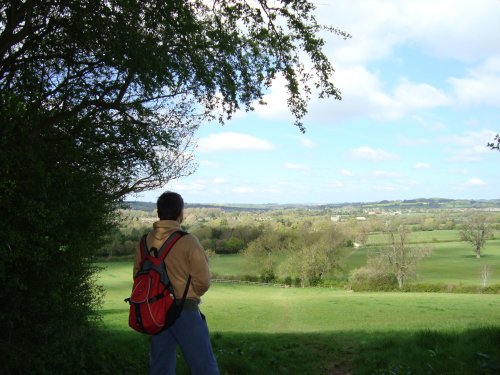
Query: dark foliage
[[53, 215]]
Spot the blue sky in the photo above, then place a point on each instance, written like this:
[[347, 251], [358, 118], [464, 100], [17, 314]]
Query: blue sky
[[420, 82]]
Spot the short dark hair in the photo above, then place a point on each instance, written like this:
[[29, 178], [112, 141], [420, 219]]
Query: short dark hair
[[169, 205]]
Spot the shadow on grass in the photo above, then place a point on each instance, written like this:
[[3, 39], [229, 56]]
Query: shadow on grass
[[475, 351], [473, 256]]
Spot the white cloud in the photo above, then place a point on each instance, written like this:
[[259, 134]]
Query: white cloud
[[301, 167], [370, 154], [462, 171], [471, 28], [412, 95], [231, 141], [469, 146], [364, 94], [475, 182], [209, 164], [431, 125], [385, 188], [345, 172], [458, 29], [307, 143], [407, 97], [422, 166], [412, 142], [219, 180], [273, 190], [195, 186], [336, 184], [448, 29], [481, 86], [276, 106], [244, 189], [385, 174]]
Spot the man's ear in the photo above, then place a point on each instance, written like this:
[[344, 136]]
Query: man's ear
[[181, 216]]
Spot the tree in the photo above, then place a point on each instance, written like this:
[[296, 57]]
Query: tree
[[362, 233], [263, 253], [315, 253], [429, 224], [476, 230], [399, 257], [99, 99], [485, 274]]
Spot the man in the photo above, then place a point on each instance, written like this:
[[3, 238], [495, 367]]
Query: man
[[187, 257]]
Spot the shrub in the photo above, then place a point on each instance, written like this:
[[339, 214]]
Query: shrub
[[251, 278], [297, 282], [268, 276], [370, 279], [427, 287], [451, 288], [332, 283], [230, 246], [288, 281], [314, 280]]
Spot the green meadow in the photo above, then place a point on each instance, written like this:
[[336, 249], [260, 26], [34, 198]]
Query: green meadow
[[451, 261], [272, 330]]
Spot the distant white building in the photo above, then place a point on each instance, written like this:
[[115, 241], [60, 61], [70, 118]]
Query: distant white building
[[361, 218], [335, 218]]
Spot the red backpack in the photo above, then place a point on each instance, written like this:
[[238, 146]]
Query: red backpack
[[153, 305]]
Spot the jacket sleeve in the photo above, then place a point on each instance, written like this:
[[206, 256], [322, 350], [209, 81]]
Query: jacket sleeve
[[200, 272]]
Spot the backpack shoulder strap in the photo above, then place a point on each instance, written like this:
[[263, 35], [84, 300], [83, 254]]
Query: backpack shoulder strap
[[144, 247], [169, 243]]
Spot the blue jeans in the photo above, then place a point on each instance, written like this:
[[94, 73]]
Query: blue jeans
[[190, 332]]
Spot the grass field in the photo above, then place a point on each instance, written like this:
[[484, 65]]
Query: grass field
[[270, 330], [449, 263]]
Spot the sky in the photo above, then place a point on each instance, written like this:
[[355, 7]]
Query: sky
[[420, 84]]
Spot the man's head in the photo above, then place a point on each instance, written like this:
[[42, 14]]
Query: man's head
[[170, 206]]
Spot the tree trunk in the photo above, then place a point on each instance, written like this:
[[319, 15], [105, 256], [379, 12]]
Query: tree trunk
[[400, 281]]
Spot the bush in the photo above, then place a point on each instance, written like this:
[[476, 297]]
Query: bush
[[288, 281], [332, 283], [369, 279], [428, 288], [297, 282], [451, 288], [251, 278], [268, 276], [230, 246], [315, 280]]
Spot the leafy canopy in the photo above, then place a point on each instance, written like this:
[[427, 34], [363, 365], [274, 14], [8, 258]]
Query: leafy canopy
[[131, 80]]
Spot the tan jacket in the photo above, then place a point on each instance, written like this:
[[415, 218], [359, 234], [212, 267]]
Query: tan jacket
[[187, 257]]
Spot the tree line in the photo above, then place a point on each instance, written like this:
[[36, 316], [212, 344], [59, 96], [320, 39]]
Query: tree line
[[308, 248]]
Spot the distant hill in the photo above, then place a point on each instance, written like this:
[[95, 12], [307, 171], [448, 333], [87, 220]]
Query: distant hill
[[424, 203], [140, 206], [418, 203]]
